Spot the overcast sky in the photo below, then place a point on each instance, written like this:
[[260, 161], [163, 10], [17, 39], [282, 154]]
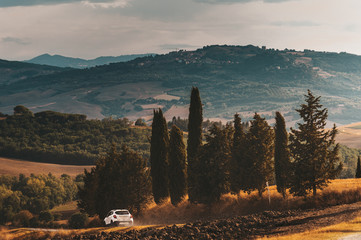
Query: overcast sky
[[92, 28]]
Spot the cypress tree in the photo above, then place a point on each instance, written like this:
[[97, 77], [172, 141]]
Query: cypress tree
[[194, 142], [358, 169], [282, 155], [236, 169], [159, 154], [87, 193], [177, 166], [214, 158], [313, 149], [259, 155]]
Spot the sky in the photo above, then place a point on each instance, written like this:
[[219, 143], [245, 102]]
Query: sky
[[93, 28]]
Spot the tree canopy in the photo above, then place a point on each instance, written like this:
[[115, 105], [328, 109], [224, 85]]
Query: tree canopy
[[119, 180], [282, 155], [194, 141], [159, 157], [177, 166], [313, 149]]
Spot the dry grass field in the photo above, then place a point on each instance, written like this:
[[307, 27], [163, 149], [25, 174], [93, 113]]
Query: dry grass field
[[350, 135], [14, 167], [158, 216], [339, 191], [344, 231], [26, 233]]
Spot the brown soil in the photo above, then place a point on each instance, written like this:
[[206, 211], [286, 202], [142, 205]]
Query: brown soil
[[14, 167], [268, 223]]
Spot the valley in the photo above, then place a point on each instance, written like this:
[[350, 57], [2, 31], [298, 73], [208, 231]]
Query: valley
[[243, 79], [231, 79]]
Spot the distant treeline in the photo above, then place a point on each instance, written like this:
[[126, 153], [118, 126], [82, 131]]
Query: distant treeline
[[61, 138], [206, 125]]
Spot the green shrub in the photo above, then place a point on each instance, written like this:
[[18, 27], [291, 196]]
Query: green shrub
[[57, 216], [78, 220], [34, 222], [22, 219], [46, 216]]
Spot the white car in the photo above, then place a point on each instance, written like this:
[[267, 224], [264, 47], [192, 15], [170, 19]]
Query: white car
[[119, 217]]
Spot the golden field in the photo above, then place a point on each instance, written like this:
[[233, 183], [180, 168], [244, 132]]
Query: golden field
[[346, 230], [350, 135], [14, 167], [158, 216]]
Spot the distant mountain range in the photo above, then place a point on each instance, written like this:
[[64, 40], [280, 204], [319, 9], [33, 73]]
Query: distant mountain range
[[61, 61], [243, 79]]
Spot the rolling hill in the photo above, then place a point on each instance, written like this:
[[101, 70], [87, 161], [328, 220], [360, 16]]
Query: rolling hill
[[14, 167], [243, 79], [350, 135], [61, 61], [13, 71]]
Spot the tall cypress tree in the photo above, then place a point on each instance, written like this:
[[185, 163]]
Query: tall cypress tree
[[177, 166], [194, 142], [282, 155], [259, 155], [358, 169], [159, 154], [214, 157], [236, 169], [313, 149]]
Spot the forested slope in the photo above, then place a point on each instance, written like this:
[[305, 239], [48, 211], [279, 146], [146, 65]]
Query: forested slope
[[70, 139]]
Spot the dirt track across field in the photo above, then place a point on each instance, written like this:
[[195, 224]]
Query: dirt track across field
[[269, 223]]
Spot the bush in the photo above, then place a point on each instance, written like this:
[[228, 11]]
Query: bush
[[140, 122], [46, 216], [57, 216], [34, 222], [23, 218], [95, 222], [78, 220]]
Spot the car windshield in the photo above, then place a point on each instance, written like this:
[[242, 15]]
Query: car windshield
[[123, 212]]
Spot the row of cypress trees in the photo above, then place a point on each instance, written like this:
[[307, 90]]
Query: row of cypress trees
[[233, 159], [168, 161]]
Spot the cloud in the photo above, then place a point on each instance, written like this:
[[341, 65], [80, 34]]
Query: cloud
[[295, 24], [15, 40], [17, 3], [111, 4], [177, 46], [239, 1], [163, 10]]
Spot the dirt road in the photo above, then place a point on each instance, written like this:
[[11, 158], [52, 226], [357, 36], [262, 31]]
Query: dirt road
[[252, 226]]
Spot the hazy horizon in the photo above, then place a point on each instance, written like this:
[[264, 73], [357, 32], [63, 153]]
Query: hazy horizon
[[91, 28]]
